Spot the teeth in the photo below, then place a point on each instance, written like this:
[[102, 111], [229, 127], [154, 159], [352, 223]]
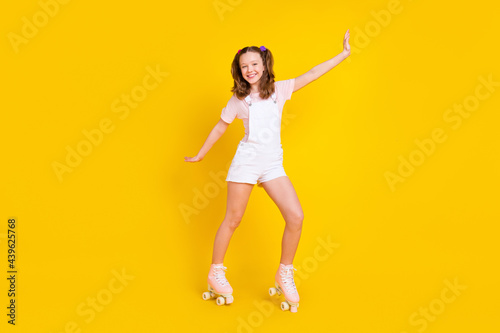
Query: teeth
[[250, 76]]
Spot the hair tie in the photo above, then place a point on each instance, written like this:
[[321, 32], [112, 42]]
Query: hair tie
[[239, 51], [263, 48]]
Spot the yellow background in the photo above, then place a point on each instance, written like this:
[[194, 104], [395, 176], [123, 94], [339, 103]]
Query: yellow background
[[119, 210]]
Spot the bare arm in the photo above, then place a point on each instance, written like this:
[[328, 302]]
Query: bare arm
[[323, 68], [212, 138]]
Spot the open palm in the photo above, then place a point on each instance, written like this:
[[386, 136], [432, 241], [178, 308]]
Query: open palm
[[347, 47]]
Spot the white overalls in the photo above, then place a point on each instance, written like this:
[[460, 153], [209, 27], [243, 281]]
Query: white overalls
[[260, 158]]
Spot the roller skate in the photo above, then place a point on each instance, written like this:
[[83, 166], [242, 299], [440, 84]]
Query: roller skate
[[286, 285], [218, 285]]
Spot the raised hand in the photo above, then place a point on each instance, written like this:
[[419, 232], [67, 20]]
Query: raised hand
[[347, 47]]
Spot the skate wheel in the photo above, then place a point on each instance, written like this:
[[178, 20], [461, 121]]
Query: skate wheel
[[284, 306], [220, 300], [207, 295], [293, 308], [272, 291], [229, 299]]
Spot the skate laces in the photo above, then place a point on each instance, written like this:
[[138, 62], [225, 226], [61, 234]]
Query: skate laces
[[287, 278], [220, 275]]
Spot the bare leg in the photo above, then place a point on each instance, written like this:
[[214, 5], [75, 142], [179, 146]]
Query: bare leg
[[237, 199], [283, 194]]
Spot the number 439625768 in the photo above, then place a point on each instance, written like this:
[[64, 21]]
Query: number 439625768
[[11, 235]]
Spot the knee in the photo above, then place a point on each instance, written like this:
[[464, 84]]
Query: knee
[[294, 220], [233, 221]]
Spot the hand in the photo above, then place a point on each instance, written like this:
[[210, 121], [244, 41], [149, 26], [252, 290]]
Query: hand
[[347, 47], [192, 159]]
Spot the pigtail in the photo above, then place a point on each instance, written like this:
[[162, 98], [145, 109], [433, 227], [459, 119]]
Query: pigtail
[[241, 87]]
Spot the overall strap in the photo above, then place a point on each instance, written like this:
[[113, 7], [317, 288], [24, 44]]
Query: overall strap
[[249, 100]]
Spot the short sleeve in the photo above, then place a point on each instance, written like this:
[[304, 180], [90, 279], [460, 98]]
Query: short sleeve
[[229, 112], [288, 86], [285, 89]]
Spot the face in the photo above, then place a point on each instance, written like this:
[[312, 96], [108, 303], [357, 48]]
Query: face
[[251, 66]]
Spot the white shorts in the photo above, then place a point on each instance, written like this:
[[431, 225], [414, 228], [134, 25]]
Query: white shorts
[[253, 165]]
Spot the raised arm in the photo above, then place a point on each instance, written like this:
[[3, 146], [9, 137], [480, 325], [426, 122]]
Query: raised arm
[[317, 71], [212, 138]]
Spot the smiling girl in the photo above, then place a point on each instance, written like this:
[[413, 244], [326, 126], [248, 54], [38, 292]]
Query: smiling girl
[[258, 101]]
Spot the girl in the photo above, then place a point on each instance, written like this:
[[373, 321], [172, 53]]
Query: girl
[[258, 100]]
